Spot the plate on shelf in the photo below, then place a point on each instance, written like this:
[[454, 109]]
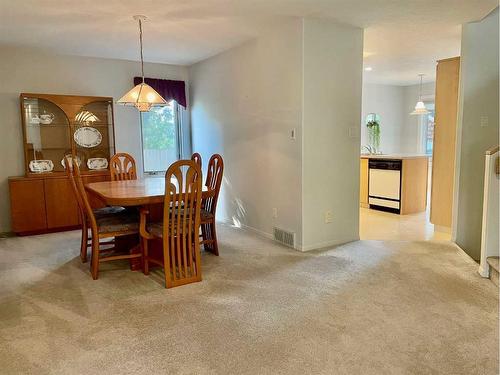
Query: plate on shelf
[[78, 160], [41, 166], [87, 137], [97, 163]]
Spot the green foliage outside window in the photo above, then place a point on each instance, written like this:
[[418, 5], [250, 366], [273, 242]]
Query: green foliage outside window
[[158, 128]]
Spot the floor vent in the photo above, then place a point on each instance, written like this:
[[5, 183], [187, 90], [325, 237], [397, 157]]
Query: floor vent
[[284, 237]]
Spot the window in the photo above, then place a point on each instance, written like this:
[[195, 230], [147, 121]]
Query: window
[[427, 130], [160, 137]]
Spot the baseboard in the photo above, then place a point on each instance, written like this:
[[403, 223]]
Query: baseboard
[[325, 245], [258, 232], [442, 229], [269, 236], [261, 233], [484, 271]]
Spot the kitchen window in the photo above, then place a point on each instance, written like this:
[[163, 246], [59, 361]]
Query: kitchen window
[[161, 137], [427, 130]]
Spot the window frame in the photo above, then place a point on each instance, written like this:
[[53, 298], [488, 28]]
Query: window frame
[[177, 110]]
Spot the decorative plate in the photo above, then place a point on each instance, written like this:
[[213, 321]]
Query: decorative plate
[[41, 166], [88, 137], [78, 160], [97, 163]]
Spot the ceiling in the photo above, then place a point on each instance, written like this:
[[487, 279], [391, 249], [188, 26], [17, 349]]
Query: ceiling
[[402, 37]]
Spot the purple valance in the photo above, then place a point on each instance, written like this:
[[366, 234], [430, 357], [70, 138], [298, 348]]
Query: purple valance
[[168, 89]]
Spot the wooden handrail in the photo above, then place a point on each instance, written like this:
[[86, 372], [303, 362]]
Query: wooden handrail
[[493, 150]]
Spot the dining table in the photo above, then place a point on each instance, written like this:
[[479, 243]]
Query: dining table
[[128, 193], [148, 192]]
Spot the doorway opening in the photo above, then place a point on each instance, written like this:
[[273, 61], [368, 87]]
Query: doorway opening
[[405, 146]]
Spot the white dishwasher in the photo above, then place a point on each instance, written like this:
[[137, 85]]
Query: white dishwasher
[[384, 185]]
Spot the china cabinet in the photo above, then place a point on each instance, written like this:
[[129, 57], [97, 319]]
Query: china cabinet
[[54, 126]]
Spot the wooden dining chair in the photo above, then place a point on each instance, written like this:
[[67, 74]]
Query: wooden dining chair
[[108, 226], [180, 228], [209, 204], [86, 239], [122, 167], [196, 158]]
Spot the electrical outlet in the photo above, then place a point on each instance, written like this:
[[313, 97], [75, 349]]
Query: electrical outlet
[[275, 213], [328, 217]]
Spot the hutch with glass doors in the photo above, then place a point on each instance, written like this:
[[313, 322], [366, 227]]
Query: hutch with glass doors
[[55, 126]]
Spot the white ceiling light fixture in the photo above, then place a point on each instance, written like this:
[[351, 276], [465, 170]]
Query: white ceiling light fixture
[[420, 107], [142, 96]]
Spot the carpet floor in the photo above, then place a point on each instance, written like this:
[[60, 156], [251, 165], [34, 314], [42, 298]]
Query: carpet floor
[[367, 307]]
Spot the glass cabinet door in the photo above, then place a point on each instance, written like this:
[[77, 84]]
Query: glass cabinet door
[[92, 132], [47, 133]]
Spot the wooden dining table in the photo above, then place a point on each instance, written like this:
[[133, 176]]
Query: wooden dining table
[[147, 192], [140, 192]]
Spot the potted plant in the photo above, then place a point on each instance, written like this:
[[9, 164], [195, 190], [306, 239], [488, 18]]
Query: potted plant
[[373, 125]]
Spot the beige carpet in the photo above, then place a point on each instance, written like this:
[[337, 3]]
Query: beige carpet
[[363, 308]]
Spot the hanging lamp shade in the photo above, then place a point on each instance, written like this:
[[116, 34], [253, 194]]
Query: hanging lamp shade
[[142, 96], [420, 107]]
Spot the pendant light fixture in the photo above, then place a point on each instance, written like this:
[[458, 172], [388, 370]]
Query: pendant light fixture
[[420, 107], [142, 96]]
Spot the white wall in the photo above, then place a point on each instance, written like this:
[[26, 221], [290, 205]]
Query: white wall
[[34, 71], [479, 100], [304, 75], [245, 102], [388, 102], [332, 104], [400, 131]]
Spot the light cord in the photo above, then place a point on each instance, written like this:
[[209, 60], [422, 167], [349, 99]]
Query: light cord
[[420, 96], [142, 57]]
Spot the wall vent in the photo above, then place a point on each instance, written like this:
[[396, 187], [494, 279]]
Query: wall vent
[[284, 237]]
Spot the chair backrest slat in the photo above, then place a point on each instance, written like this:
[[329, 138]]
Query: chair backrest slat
[[73, 171], [213, 182], [196, 158], [68, 163], [122, 167], [181, 220]]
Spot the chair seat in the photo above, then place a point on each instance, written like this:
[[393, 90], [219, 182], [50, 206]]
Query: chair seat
[[108, 211], [156, 229], [205, 215], [123, 222]]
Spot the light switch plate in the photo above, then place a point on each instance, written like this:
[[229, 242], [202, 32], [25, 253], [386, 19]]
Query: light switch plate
[[354, 132], [484, 121]]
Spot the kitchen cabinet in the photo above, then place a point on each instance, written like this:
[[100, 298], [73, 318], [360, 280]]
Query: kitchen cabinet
[[363, 187], [445, 130], [394, 183]]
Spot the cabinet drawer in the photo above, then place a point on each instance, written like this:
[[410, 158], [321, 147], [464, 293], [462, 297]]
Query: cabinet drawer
[[27, 205]]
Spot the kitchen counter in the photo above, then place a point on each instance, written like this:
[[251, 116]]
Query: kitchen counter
[[393, 156], [398, 185]]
